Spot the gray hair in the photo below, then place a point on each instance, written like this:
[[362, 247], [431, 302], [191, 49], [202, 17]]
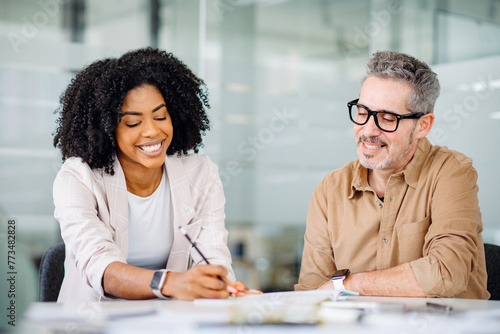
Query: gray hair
[[417, 74]]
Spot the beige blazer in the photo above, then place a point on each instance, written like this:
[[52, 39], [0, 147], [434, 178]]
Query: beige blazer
[[92, 209]]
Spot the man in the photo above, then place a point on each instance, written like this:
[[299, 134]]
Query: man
[[404, 218]]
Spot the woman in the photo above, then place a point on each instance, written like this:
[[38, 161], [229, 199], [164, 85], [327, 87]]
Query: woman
[[127, 183]]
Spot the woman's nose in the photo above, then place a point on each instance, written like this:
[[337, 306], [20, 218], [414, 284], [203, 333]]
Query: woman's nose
[[150, 128]]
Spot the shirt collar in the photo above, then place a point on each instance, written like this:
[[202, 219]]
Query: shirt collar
[[414, 168], [411, 172], [359, 180]]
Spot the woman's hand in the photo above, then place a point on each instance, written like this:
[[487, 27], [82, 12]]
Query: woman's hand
[[201, 281], [239, 289]]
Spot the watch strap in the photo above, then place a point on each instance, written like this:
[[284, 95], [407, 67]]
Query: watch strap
[[338, 279], [157, 290], [338, 284]]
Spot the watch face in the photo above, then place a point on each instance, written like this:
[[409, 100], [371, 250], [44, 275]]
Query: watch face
[[155, 282], [340, 273]]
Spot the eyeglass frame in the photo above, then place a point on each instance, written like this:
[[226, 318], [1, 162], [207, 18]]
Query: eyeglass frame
[[350, 104]]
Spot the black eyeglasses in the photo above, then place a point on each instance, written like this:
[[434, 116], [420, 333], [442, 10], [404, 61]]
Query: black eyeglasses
[[385, 120]]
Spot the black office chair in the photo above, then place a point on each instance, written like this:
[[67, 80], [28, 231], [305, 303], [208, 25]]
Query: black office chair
[[492, 253], [51, 273]]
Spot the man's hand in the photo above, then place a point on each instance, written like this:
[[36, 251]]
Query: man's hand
[[327, 286]]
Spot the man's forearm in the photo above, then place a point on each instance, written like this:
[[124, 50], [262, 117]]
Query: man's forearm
[[396, 281]]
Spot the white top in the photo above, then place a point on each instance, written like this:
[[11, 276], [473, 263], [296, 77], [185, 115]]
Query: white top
[[151, 228]]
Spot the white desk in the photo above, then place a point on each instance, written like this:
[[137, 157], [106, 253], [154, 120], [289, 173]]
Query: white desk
[[268, 313]]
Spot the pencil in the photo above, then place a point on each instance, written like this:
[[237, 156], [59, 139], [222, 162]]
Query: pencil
[[441, 307], [223, 279]]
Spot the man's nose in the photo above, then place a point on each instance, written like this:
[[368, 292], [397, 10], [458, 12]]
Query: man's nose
[[370, 129]]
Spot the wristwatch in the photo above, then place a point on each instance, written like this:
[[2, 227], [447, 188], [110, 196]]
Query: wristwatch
[[157, 283], [338, 279]]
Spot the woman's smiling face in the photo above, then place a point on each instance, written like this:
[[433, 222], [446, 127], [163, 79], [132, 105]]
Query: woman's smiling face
[[145, 130]]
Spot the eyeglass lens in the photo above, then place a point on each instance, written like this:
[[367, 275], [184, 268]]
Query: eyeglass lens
[[385, 121]]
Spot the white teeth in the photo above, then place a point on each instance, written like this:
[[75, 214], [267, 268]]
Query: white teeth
[[151, 148], [372, 147]]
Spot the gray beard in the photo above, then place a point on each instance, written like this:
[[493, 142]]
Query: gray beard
[[388, 162]]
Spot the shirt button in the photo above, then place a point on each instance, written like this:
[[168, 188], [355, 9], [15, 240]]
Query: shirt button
[[385, 240], [379, 205]]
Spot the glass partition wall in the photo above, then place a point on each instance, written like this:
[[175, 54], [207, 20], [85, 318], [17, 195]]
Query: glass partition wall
[[279, 75]]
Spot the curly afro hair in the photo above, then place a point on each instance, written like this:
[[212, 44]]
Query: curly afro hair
[[91, 106]]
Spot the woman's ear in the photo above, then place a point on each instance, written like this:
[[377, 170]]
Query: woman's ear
[[424, 125]]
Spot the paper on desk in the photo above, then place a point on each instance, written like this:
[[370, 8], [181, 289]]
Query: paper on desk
[[281, 298], [289, 307]]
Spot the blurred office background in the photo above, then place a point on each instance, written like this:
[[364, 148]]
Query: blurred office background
[[279, 74]]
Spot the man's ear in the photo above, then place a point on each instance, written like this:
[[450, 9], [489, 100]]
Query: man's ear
[[424, 125]]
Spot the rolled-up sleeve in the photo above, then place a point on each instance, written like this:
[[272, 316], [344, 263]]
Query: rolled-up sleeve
[[452, 244], [318, 262]]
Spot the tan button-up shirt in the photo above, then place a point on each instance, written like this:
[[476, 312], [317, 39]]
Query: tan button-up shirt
[[430, 217]]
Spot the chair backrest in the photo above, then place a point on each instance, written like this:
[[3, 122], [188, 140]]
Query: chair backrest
[[51, 273], [492, 253]]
